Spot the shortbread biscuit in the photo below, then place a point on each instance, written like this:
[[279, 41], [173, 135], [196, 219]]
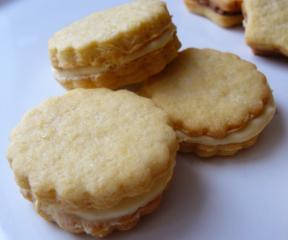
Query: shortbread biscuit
[[266, 22], [218, 103], [119, 46], [225, 13], [94, 160]]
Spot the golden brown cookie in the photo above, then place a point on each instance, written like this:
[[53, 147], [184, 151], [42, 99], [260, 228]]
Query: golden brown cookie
[[225, 13], [218, 103], [94, 160], [116, 47], [266, 22]]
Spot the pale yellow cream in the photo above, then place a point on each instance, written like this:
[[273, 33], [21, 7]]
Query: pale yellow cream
[[253, 128], [126, 207], [75, 74]]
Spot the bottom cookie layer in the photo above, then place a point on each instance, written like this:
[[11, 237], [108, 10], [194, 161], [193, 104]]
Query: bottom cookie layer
[[221, 20], [77, 225], [217, 150], [130, 73]]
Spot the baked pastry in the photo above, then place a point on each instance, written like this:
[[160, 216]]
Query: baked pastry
[[93, 160], [219, 104], [116, 47], [266, 22], [225, 13]]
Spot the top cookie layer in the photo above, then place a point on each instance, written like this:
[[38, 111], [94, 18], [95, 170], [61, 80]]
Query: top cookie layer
[[105, 37], [266, 24], [92, 148], [206, 92]]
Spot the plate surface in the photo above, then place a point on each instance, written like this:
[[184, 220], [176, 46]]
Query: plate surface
[[244, 197]]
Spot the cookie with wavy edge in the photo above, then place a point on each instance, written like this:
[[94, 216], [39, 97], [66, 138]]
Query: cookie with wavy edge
[[217, 102], [116, 47], [94, 160]]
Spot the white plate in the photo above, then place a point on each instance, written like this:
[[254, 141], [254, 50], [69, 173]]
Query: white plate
[[245, 197]]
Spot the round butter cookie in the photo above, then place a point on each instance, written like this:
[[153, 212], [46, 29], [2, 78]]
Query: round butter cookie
[[94, 160], [116, 47], [219, 104]]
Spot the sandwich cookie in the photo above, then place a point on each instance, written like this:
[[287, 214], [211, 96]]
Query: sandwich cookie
[[225, 13], [219, 104], [94, 160], [266, 26], [116, 47]]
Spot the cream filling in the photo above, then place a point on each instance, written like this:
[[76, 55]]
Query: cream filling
[[253, 128], [74, 74], [126, 207]]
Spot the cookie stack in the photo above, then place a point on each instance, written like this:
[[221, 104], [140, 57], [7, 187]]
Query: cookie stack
[[99, 157], [114, 48], [94, 160], [225, 13], [265, 21], [218, 103]]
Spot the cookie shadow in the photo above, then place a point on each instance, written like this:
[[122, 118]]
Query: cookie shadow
[[179, 209], [268, 142], [6, 2], [236, 29], [272, 59]]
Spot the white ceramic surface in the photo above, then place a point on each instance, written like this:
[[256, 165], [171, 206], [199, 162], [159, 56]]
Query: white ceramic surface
[[242, 198]]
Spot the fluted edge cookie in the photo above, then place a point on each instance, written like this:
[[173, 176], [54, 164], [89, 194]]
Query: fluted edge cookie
[[107, 48], [217, 102], [93, 157]]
